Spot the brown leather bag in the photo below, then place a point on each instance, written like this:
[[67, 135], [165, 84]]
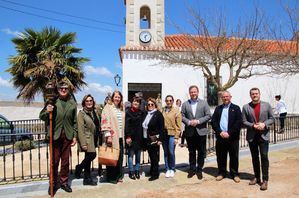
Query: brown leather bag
[[108, 156]]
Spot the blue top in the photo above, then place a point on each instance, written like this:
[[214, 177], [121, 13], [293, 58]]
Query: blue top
[[224, 118]]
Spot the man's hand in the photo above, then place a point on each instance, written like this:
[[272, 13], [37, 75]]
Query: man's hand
[[259, 126], [74, 141], [224, 134], [194, 123], [50, 108]]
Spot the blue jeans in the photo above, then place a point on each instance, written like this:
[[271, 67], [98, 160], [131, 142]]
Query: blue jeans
[[131, 153], [169, 154]]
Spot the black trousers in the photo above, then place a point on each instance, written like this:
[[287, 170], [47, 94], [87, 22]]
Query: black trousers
[[224, 147], [282, 117], [114, 174], [196, 143], [153, 152], [260, 146], [86, 163]]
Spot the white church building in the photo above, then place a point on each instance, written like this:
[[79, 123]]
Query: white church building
[[145, 36]]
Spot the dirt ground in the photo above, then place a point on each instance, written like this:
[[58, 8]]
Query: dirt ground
[[283, 182]]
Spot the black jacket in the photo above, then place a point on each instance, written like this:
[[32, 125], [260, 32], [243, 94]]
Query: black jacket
[[156, 125], [133, 128], [234, 121]]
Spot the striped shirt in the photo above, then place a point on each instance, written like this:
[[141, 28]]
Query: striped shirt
[[118, 114]]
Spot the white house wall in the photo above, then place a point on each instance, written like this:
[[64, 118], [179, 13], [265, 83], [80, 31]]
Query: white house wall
[[176, 80]]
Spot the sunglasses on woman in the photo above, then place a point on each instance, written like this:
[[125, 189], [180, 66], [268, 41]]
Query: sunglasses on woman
[[150, 104]]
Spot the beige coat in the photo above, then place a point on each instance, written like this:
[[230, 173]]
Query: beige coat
[[109, 124], [86, 130], [173, 121]]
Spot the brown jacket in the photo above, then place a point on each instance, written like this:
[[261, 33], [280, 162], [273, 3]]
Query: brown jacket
[[173, 121], [86, 131]]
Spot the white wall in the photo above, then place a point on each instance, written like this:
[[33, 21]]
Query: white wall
[[176, 80]]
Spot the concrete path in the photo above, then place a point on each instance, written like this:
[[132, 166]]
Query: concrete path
[[144, 188]]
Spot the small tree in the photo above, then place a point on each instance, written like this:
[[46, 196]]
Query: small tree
[[45, 56]]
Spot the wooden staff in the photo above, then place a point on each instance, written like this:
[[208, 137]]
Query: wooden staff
[[51, 152]]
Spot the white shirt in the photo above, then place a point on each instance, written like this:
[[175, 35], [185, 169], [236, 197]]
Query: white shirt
[[281, 107], [194, 106]]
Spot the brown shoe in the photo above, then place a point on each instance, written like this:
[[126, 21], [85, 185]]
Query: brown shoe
[[254, 181], [219, 178], [237, 179], [264, 185], [190, 174]]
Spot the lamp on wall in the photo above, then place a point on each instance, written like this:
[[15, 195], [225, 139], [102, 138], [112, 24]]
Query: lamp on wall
[[117, 79]]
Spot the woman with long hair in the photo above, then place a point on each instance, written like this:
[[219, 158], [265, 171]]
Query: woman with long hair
[[112, 125]]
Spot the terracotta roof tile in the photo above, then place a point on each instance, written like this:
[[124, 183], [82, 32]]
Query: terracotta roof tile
[[181, 42]]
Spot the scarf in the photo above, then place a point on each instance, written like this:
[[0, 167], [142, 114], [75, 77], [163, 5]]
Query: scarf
[[146, 121]]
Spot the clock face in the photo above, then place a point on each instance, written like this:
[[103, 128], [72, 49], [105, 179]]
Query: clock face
[[145, 37]]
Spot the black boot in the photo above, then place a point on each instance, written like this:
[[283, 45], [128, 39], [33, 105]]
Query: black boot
[[137, 175], [131, 175], [89, 181], [78, 171]]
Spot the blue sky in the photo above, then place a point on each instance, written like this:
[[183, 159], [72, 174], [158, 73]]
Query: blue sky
[[100, 41]]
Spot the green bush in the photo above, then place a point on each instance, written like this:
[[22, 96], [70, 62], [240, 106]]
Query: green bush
[[24, 145]]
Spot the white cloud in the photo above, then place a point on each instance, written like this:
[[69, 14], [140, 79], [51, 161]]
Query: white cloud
[[11, 32], [4, 83], [96, 87], [98, 70]]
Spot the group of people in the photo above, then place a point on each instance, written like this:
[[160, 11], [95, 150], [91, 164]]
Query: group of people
[[144, 126]]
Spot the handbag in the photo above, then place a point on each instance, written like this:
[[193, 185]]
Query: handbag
[[108, 156]]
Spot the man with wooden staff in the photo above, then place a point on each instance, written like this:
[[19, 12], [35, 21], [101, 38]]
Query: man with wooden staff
[[64, 134]]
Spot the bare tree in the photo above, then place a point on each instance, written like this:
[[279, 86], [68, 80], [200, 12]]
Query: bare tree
[[289, 48], [216, 46]]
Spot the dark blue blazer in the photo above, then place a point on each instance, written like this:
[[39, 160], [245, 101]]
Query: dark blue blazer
[[234, 121]]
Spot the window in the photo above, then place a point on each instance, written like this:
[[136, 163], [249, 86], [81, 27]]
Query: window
[[212, 94], [145, 17]]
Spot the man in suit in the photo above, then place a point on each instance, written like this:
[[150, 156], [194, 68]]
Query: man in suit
[[257, 117], [64, 134], [226, 122], [196, 114]]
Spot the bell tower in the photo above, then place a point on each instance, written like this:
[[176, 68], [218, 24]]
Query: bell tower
[[145, 22]]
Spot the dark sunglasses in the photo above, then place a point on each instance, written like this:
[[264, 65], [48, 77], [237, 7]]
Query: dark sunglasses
[[63, 88], [150, 104]]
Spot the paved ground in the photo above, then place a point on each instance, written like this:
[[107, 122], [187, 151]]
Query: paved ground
[[284, 182]]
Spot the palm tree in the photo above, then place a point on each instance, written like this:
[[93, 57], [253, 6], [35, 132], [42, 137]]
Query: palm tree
[[45, 56]]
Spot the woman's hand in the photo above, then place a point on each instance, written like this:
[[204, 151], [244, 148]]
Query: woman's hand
[[175, 141], [109, 141], [84, 148], [153, 138]]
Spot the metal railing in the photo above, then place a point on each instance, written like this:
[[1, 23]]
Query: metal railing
[[26, 159]]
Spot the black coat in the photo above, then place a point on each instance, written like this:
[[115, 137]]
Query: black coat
[[134, 130], [234, 121], [156, 125]]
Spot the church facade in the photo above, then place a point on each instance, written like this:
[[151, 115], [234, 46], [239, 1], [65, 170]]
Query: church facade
[[144, 71]]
